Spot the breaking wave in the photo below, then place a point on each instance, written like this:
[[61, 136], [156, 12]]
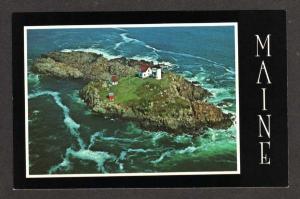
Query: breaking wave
[[98, 51], [69, 122], [83, 154], [99, 157]]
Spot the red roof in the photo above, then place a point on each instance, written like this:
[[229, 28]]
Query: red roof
[[111, 98], [114, 78], [144, 67]]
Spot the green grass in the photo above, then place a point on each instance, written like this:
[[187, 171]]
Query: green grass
[[130, 89]]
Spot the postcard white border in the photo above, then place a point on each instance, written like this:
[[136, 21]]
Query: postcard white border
[[234, 24]]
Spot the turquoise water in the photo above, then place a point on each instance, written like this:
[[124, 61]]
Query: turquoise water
[[65, 137]]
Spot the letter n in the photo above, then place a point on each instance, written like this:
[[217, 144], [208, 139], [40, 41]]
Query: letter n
[[261, 122]]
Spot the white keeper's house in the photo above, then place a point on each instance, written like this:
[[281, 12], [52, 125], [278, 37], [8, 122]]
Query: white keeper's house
[[147, 71]]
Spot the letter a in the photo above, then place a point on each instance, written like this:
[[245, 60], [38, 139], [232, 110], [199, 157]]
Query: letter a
[[263, 67]]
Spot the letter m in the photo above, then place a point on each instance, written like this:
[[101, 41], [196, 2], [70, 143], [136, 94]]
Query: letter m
[[260, 44], [267, 128]]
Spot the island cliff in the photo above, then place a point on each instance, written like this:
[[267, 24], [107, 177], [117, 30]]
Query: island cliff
[[172, 104]]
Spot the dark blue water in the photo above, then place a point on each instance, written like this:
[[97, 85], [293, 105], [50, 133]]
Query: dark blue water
[[65, 137]]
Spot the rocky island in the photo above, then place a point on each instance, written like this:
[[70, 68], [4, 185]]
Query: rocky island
[[171, 103]]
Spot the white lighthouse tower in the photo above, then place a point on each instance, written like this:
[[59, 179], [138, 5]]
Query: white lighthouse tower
[[158, 73]]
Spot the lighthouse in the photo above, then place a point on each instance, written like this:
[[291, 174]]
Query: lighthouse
[[158, 73]]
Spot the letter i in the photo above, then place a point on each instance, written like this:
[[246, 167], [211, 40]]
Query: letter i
[[264, 99]]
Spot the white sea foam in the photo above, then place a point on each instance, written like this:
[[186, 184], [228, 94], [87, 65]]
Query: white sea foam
[[189, 149], [191, 56], [75, 97], [205, 146], [108, 138], [129, 39], [121, 166], [139, 150], [187, 74], [126, 39], [65, 165], [69, 122], [122, 155], [162, 157], [199, 77], [173, 152], [117, 45], [219, 93], [98, 136], [99, 157], [154, 59], [33, 79], [93, 138], [36, 112], [183, 138], [109, 56], [231, 131], [157, 136], [152, 48], [97, 51], [225, 68]]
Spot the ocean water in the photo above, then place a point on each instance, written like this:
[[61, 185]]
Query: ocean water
[[65, 137]]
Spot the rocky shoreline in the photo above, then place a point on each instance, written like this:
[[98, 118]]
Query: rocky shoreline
[[171, 104]]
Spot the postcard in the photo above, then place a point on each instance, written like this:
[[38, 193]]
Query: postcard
[[115, 100]]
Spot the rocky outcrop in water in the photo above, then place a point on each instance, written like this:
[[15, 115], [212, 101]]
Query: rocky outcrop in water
[[84, 65], [172, 104]]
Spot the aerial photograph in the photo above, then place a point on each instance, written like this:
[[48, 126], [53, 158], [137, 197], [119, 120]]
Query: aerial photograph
[[131, 100]]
